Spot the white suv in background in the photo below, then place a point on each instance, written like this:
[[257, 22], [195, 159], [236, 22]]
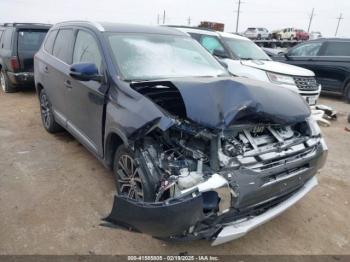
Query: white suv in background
[[257, 33], [244, 58]]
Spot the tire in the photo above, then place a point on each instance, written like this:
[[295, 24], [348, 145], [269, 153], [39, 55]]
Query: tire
[[47, 116], [347, 93], [6, 85], [130, 177]]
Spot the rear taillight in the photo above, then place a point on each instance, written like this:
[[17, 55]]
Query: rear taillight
[[14, 63]]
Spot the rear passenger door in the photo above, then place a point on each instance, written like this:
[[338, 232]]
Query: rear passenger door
[[57, 68], [85, 99]]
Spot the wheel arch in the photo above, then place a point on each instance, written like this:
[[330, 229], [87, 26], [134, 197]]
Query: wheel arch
[[38, 88], [112, 142]]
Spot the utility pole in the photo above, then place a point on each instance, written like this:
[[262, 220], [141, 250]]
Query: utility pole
[[238, 11], [164, 17], [158, 19], [189, 21], [339, 19], [311, 16]]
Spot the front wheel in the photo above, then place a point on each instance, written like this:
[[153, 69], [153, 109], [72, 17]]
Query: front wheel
[[130, 178], [6, 85], [47, 116], [347, 93]]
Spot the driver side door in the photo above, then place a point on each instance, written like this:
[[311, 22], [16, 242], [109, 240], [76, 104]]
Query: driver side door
[[85, 99]]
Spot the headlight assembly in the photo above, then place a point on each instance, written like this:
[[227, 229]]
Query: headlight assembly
[[280, 79]]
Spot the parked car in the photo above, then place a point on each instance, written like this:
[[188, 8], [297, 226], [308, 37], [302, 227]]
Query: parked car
[[257, 33], [286, 33], [328, 58], [301, 35], [272, 52], [18, 44], [244, 58], [315, 35], [180, 134]]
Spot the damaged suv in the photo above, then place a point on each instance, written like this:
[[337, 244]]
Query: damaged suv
[[196, 153]]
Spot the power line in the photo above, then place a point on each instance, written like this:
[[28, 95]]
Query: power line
[[238, 11], [311, 16], [339, 19]]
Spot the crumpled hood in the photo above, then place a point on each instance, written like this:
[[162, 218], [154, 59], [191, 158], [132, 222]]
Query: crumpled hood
[[221, 102], [277, 67]]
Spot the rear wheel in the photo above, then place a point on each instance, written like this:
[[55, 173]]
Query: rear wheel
[[130, 178], [6, 85], [47, 116]]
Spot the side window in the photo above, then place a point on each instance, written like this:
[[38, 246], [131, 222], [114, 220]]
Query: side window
[[86, 50], [7, 39], [48, 45], [310, 49], [337, 49], [63, 46], [211, 43]]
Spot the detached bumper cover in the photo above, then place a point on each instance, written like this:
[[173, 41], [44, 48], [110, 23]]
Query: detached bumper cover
[[161, 219], [239, 229]]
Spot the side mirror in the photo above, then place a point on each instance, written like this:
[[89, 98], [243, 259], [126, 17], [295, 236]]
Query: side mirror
[[286, 56], [85, 72], [219, 53]]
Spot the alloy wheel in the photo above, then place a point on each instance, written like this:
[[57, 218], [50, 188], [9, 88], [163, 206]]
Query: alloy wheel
[[45, 110], [130, 183], [2, 81]]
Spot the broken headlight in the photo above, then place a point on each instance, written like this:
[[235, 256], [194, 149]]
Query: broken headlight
[[314, 127]]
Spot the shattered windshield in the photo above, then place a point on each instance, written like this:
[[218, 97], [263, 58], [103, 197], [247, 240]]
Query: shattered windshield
[[154, 56], [245, 49]]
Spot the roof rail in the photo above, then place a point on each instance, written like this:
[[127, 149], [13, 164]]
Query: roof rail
[[17, 23], [95, 24]]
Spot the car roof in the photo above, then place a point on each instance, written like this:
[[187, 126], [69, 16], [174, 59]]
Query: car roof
[[27, 25], [121, 27], [331, 39]]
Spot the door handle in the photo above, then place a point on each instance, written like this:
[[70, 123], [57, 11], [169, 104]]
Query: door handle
[[68, 84]]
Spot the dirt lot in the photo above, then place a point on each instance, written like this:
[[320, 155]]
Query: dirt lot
[[53, 194]]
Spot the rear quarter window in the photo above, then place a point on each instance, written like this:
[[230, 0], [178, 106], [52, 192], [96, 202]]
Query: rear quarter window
[[63, 46], [30, 40], [341, 48], [7, 39]]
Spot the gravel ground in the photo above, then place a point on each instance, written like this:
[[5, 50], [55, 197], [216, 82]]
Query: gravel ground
[[53, 193]]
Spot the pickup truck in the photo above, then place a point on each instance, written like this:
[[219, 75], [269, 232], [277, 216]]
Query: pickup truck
[[195, 152]]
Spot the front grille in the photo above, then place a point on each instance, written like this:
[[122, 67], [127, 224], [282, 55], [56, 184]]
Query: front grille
[[306, 83]]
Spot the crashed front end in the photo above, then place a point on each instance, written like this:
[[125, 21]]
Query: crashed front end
[[220, 179]]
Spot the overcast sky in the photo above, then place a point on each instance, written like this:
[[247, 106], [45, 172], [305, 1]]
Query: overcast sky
[[272, 14]]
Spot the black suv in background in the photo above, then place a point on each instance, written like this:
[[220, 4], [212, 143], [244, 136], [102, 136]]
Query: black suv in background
[[177, 130], [328, 58], [18, 44]]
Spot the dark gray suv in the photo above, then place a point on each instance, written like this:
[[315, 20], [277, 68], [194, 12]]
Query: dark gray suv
[[196, 153]]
